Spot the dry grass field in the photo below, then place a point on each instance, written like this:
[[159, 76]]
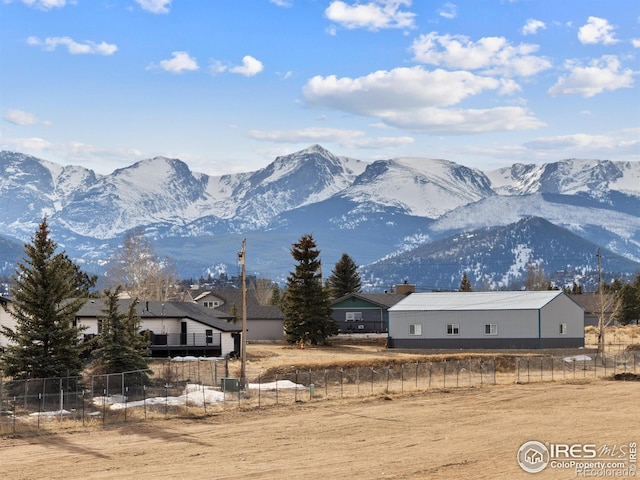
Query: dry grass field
[[441, 434], [448, 433]]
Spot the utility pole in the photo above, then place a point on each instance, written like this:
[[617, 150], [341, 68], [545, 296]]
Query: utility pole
[[243, 348], [601, 305]]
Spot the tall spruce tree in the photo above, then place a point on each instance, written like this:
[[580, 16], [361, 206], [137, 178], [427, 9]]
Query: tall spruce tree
[[306, 302], [465, 284], [48, 291], [627, 303], [344, 277], [121, 348]]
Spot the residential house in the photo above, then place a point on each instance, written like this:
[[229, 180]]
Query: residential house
[[6, 319], [174, 328], [364, 312], [264, 322]]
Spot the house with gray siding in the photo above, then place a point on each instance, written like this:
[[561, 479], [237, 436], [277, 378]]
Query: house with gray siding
[[363, 312], [486, 320], [264, 322]]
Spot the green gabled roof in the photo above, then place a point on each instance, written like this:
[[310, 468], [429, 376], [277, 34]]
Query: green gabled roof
[[379, 300]]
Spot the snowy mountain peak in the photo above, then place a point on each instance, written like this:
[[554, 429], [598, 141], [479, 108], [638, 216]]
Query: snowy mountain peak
[[369, 209], [429, 188], [595, 178]]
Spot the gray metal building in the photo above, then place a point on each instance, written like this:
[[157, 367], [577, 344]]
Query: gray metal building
[[486, 320]]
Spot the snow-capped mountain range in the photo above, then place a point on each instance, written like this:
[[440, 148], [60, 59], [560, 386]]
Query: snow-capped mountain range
[[378, 212]]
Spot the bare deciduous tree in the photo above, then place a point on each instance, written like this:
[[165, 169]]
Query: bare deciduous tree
[[140, 272], [263, 289]]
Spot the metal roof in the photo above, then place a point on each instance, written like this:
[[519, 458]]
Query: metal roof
[[459, 301]]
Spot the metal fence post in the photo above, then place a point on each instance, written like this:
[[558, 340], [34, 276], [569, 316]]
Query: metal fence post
[[444, 374], [494, 370], [371, 380], [358, 381], [388, 368]]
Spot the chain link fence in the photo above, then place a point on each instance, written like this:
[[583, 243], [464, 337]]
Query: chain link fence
[[202, 387]]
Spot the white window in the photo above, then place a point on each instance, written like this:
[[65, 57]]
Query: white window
[[353, 316], [415, 329], [490, 329], [453, 329], [211, 304], [563, 329]]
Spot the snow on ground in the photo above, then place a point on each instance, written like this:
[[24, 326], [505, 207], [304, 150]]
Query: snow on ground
[[195, 394]]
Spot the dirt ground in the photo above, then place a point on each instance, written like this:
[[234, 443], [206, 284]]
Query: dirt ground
[[439, 434], [450, 434]]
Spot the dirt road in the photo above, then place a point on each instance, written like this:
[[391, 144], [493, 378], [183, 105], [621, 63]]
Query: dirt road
[[466, 433]]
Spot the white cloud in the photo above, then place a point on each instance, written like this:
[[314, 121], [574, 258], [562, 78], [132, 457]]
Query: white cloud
[[400, 88], [601, 75], [374, 15], [532, 26], [344, 138], [493, 55], [597, 30], [412, 98], [73, 47], [179, 62], [155, 6], [463, 121], [19, 117], [250, 67], [27, 145], [635, 42], [91, 156], [593, 146], [449, 10], [282, 3], [46, 4]]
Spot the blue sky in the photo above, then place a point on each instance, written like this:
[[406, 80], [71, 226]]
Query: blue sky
[[227, 85]]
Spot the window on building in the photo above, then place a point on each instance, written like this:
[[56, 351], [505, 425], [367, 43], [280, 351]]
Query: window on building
[[211, 304], [563, 329], [453, 329], [490, 329], [353, 316], [209, 335], [415, 329]]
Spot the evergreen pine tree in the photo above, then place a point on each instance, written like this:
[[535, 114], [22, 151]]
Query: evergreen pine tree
[[465, 284], [121, 348], [627, 303], [344, 278], [276, 295], [48, 291], [306, 302]]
